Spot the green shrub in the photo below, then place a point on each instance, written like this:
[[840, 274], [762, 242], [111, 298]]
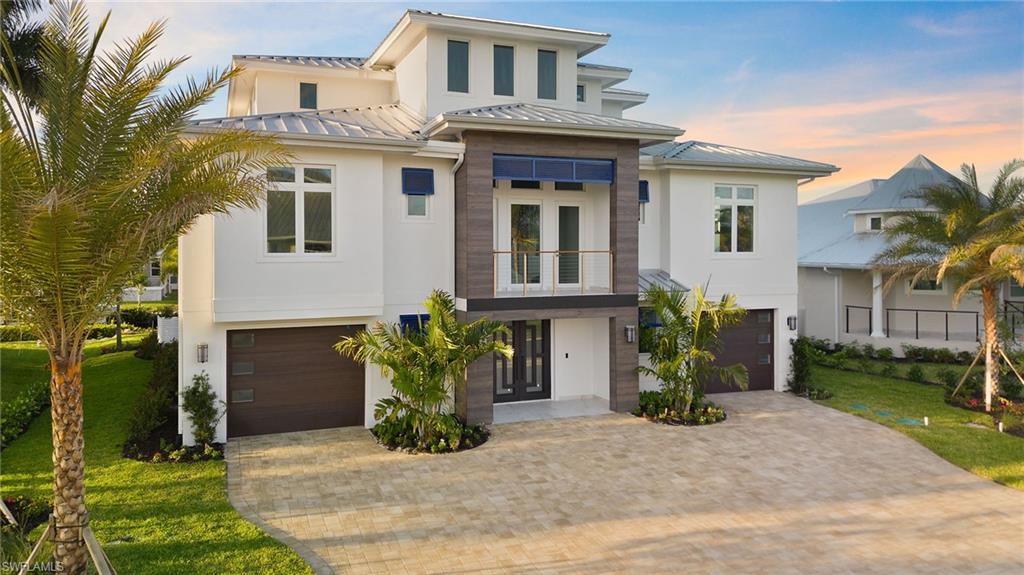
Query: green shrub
[[16, 414], [915, 373], [399, 432], [138, 316], [15, 333], [148, 413], [884, 354], [948, 377], [148, 346], [654, 405], [965, 357], [888, 370], [800, 365], [165, 367], [869, 351], [200, 402], [852, 351], [943, 355]]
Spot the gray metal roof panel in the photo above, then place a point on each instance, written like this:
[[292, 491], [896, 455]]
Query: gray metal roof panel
[[602, 67], [660, 278], [392, 122], [707, 153], [624, 92], [825, 235], [337, 62], [548, 115], [898, 192]]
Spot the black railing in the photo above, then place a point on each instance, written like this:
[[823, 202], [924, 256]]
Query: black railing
[[858, 307], [1013, 315], [945, 320]]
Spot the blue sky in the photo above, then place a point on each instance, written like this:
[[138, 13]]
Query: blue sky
[[863, 85]]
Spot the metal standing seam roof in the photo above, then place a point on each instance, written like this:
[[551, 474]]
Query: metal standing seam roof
[[532, 113], [898, 192], [623, 92], [706, 153], [602, 67], [660, 278], [393, 122], [337, 62], [825, 235]]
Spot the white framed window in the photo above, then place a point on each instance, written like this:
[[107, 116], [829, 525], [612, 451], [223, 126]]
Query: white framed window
[[875, 223], [154, 268], [926, 287], [417, 207], [299, 214], [734, 218]]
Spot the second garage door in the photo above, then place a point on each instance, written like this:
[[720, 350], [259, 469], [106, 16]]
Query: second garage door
[[291, 379], [752, 344]]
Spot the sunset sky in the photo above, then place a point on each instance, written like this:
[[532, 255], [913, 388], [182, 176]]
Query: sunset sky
[[866, 86]]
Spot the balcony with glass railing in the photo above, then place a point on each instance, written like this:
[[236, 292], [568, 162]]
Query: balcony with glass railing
[[524, 273]]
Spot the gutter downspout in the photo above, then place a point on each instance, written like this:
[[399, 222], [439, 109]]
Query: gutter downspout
[[836, 276]]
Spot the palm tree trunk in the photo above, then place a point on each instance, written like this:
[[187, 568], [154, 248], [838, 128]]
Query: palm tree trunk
[[68, 460], [988, 300]]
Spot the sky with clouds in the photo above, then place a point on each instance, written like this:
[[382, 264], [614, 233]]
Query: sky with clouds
[[865, 86]]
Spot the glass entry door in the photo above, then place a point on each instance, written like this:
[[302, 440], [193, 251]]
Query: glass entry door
[[525, 243], [528, 374]]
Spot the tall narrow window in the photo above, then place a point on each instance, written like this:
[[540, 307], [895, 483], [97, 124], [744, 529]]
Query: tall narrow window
[[307, 96], [504, 70], [525, 240], [458, 66], [568, 244], [581, 93], [547, 74], [734, 219], [299, 210]]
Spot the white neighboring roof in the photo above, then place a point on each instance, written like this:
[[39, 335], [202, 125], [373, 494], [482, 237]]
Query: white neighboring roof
[[825, 236], [336, 62], [717, 155], [535, 118], [391, 124], [897, 192], [855, 191]]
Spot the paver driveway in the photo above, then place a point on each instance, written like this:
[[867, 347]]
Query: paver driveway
[[783, 486]]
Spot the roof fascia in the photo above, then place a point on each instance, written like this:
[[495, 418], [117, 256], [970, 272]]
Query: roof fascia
[[443, 125], [324, 140], [361, 73], [724, 166]]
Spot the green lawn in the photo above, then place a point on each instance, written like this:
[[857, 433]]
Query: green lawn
[[931, 370], [167, 518], [25, 362], [985, 452]]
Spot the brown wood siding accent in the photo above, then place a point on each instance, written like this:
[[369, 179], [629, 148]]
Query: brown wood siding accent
[[567, 313], [741, 344], [623, 359], [299, 382], [552, 302]]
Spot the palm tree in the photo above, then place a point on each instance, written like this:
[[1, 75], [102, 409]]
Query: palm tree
[[95, 180], [425, 364], [683, 357], [967, 237], [23, 35]]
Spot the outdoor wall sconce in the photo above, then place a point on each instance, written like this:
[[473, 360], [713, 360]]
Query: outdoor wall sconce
[[202, 353], [630, 333], [791, 322]]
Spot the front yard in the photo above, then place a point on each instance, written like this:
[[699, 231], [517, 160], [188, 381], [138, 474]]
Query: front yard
[[977, 447], [151, 518]]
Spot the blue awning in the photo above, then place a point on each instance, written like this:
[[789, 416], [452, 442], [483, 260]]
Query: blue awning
[[547, 169], [645, 192], [418, 181]]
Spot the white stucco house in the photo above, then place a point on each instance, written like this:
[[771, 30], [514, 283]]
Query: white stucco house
[[487, 159], [843, 300]]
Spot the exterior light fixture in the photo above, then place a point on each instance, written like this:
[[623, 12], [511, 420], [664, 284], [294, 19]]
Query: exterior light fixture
[[630, 333], [791, 322], [202, 353]]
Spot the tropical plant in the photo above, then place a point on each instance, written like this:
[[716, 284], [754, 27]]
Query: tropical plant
[[204, 410], [23, 34], [425, 365], [683, 358], [96, 178], [967, 237]]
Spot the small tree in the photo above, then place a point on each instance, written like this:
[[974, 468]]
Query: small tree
[[425, 364], [800, 365], [200, 402], [684, 358]]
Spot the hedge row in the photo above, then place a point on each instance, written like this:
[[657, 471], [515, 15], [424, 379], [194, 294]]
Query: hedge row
[[17, 413], [21, 333]]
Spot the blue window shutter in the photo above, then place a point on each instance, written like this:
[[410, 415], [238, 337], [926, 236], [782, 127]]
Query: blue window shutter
[[596, 171], [513, 168], [645, 192], [418, 181], [413, 322], [553, 169]]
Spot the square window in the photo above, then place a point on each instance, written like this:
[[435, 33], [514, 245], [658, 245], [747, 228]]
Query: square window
[[307, 96], [243, 395], [723, 192], [242, 368], [282, 174], [458, 66], [743, 193], [416, 206], [764, 338], [764, 317], [876, 223], [764, 359], [316, 175], [581, 93]]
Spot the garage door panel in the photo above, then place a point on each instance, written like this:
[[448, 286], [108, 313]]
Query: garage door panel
[[750, 343], [291, 379]]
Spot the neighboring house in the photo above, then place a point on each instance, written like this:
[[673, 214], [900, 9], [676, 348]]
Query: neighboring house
[[155, 287], [843, 300], [483, 158]]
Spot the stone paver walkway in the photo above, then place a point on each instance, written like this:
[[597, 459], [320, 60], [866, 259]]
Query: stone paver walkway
[[783, 486]]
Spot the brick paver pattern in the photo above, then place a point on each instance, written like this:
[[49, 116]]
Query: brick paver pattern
[[782, 486]]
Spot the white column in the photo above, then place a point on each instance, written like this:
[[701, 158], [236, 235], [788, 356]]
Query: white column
[[877, 309]]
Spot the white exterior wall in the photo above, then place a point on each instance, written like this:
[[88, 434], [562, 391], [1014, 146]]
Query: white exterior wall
[[820, 294], [279, 91], [481, 73], [764, 279], [580, 358], [411, 79], [385, 265]]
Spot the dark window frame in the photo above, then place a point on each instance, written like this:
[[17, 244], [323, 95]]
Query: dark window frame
[[303, 96]]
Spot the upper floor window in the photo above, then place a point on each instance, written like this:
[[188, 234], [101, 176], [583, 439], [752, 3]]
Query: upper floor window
[[299, 210], [734, 219], [926, 286], [458, 66], [154, 268], [307, 96], [547, 74], [581, 93], [875, 223], [504, 70], [417, 186]]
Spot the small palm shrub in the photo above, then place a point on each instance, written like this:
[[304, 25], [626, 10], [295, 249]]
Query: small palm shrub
[[424, 366]]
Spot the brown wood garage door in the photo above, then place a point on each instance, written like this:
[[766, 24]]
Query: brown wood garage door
[[291, 379], [750, 343]]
